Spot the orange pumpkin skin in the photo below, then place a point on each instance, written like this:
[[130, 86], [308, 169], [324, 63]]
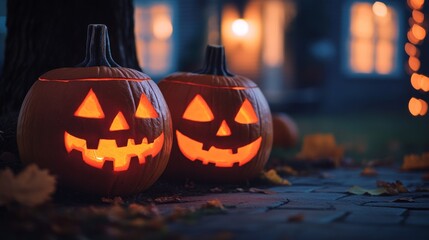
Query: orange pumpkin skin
[[90, 153], [285, 131], [214, 150]]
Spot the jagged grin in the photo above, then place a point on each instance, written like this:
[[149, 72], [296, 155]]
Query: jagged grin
[[193, 150], [108, 150]]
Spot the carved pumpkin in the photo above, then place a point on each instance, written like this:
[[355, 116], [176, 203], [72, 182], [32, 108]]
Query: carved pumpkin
[[221, 122], [99, 127]]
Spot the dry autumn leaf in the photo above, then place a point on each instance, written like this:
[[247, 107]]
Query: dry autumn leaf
[[274, 178], [321, 146], [31, 187], [416, 162], [296, 218], [369, 172], [361, 191]]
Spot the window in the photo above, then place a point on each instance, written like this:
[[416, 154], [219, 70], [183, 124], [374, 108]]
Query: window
[[373, 39]]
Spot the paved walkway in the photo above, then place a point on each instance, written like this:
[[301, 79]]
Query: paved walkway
[[315, 208]]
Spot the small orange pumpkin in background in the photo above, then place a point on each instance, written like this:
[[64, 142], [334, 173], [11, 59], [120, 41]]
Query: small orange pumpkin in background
[[222, 123], [99, 127], [285, 131]]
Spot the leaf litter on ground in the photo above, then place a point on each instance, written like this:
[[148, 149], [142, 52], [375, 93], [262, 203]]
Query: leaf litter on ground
[[31, 187], [383, 188]]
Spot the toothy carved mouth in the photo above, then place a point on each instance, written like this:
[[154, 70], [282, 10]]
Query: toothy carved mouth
[[108, 150], [193, 150]]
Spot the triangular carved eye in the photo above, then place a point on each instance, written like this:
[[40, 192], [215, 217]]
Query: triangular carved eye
[[90, 107], [198, 110], [246, 114], [145, 108]]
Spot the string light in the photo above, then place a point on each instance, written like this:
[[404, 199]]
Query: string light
[[415, 36]]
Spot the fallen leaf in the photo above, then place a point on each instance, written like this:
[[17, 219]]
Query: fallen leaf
[[167, 199], [321, 146], [215, 203], [287, 170], [392, 188], [211, 207], [259, 190], [369, 172], [361, 191], [274, 178], [404, 199], [31, 187], [416, 162], [296, 218], [426, 176]]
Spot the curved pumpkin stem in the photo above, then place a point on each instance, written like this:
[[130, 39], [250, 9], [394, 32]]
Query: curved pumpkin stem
[[215, 63], [98, 47]]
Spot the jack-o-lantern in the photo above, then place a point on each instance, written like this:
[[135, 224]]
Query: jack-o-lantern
[[99, 127], [221, 122]]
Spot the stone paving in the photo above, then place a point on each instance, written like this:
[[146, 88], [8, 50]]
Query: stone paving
[[315, 208]]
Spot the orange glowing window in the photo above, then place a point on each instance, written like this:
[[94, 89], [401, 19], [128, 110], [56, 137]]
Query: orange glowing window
[[145, 108], [90, 107], [119, 123], [198, 110], [246, 114], [373, 38]]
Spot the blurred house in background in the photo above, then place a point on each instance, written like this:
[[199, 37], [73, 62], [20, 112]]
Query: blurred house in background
[[306, 55]]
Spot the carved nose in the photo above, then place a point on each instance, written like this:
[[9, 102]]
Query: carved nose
[[119, 123], [223, 129]]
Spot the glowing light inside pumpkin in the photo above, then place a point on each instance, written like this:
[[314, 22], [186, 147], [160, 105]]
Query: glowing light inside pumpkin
[[198, 110], [119, 123], [246, 114], [193, 150], [90, 107], [145, 108], [224, 129], [240, 27], [108, 150]]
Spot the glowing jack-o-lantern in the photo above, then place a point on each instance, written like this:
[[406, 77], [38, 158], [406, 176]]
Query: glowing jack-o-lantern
[[222, 123], [99, 127]]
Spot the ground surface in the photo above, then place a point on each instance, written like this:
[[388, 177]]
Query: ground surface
[[316, 208]]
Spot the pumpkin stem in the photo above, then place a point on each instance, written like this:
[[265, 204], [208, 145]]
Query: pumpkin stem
[[215, 63], [98, 48]]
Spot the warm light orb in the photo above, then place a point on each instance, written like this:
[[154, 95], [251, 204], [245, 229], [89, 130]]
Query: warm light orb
[[379, 9], [415, 106], [416, 81], [162, 27], [414, 63], [418, 16], [418, 31], [411, 50], [240, 27], [416, 4]]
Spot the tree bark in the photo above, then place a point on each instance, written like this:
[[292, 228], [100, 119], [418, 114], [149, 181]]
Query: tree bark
[[48, 34]]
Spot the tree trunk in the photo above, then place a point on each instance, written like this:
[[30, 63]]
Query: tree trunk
[[48, 34]]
